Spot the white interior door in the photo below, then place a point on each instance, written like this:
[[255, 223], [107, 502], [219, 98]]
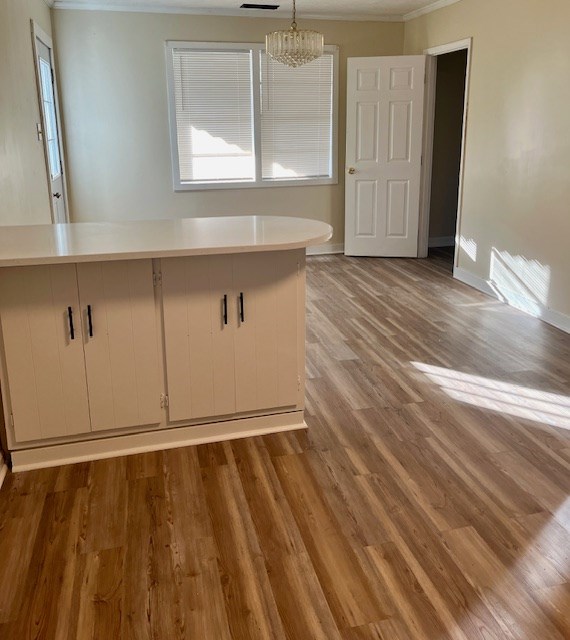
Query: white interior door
[[385, 103], [50, 132]]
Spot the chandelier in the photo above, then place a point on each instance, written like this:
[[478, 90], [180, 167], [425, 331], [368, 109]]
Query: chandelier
[[294, 47]]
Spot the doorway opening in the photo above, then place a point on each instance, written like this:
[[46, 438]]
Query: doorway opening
[[446, 156], [444, 146]]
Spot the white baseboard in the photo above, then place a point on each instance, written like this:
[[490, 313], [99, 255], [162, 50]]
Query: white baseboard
[[72, 452], [3, 470], [443, 241], [325, 249], [516, 300]]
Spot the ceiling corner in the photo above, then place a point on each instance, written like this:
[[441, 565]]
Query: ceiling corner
[[434, 6]]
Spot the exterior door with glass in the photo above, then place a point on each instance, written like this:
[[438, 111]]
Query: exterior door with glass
[[49, 131]]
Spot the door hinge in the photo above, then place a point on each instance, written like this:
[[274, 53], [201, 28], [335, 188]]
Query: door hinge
[[157, 279], [163, 401], [298, 383]]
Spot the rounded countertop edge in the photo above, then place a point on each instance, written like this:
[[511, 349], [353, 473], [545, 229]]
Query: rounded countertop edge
[[47, 258]]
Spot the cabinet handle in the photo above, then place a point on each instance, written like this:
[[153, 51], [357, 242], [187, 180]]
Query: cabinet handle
[[225, 309], [241, 308], [70, 320], [90, 320]]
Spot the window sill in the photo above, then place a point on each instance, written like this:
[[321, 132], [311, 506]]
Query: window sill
[[209, 186]]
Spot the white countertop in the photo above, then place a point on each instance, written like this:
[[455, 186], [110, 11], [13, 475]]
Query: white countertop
[[100, 241]]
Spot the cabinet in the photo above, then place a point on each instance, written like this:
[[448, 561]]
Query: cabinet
[[232, 333], [44, 358], [80, 347]]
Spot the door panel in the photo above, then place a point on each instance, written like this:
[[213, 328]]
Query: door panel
[[384, 146], [199, 346], [51, 133], [266, 340], [45, 366], [121, 355]]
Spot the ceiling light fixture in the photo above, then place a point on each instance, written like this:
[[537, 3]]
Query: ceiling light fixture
[[294, 47]]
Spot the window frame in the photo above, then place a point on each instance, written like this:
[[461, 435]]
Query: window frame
[[255, 49]]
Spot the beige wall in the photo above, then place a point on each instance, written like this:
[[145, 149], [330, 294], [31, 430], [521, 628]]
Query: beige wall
[[448, 130], [24, 195], [516, 205], [112, 77]]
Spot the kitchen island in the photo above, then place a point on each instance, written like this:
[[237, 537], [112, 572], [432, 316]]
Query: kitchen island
[[118, 338]]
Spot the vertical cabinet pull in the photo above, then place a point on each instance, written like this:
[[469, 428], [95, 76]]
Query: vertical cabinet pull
[[90, 320], [225, 309], [241, 308], [70, 320]]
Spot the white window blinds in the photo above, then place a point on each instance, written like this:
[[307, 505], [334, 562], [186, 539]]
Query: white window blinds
[[214, 115], [297, 119], [238, 119]]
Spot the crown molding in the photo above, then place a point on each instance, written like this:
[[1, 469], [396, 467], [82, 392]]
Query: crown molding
[[242, 13], [434, 6]]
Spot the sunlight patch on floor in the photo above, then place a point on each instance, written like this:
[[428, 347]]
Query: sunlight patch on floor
[[504, 397]]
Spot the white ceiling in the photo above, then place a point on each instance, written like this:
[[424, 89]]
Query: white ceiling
[[325, 9]]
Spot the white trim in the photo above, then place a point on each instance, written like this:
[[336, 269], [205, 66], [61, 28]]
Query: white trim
[[441, 241], [423, 238], [449, 47], [325, 249], [434, 6], [427, 156], [284, 14], [514, 299], [72, 452], [3, 470], [258, 183]]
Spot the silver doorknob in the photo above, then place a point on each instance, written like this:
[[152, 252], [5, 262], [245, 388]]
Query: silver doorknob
[[57, 195], [352, 171]]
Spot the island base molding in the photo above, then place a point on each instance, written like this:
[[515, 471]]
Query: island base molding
[[129, 444]]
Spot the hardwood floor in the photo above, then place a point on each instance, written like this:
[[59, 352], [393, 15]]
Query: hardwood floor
[[428, 500]]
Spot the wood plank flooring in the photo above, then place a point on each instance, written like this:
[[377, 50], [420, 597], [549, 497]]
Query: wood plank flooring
[[428, 500]]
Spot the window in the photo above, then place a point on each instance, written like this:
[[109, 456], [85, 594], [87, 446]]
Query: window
[[240, 119]]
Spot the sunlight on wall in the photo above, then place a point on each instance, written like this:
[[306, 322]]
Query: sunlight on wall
[[469, 247], [504, 397], [520, 282]]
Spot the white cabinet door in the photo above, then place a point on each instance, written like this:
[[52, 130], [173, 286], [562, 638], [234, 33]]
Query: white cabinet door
[[385, 101], [232, 333], [266, 338], [43, 351], [121, 343], [199, 325]]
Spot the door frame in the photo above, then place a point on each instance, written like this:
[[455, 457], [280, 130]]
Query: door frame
[[39, 34], [429, 121]]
